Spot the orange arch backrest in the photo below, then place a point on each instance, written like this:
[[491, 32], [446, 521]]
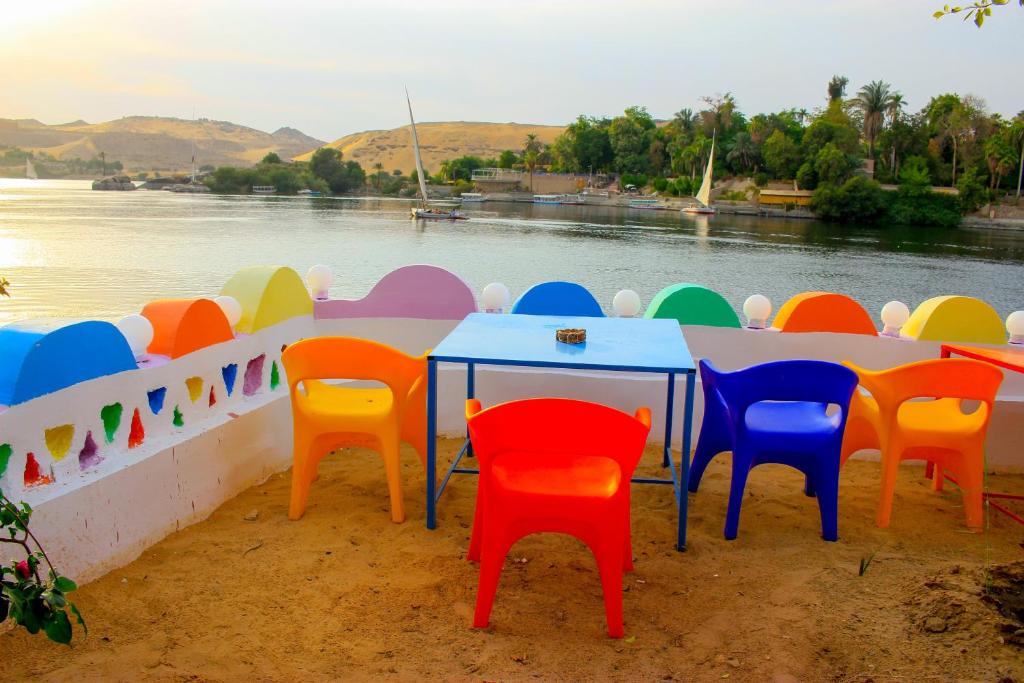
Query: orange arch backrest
[[961, 378], [351, 358], [558, 426], [181, 326], [823, 312]]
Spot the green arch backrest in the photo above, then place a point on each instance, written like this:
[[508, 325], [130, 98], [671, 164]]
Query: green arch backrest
[[693, 305]]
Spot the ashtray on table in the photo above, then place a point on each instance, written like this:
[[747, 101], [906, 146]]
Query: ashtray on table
[[572, 335]]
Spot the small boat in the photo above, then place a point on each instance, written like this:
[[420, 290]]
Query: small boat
[[703, 196], [473, 197], [308, 193], [264, 189], [645, 203], [423, 211], [547, 199], [572, 199], [30, 169]]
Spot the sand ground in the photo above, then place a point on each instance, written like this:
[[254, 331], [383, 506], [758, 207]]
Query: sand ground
[[344, 594]]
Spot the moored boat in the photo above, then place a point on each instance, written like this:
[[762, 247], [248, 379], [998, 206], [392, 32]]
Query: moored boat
[[473, 197], [703, 196], [439, 212], [645, 203], [547, 199], [264, 189]]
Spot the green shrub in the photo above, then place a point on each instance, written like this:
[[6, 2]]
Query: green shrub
[[761, 179], [806, 178], [859, 199], [914, 205], [972, 191], [660, 184]]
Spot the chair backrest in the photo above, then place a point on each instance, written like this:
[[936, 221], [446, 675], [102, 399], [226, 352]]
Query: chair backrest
[[558, 426], [558, 298], [351, 358], [812, 381], [963, 378]]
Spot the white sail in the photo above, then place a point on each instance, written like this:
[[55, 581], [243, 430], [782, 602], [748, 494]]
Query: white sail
[[416, 149], [30, 170], [704, 193]]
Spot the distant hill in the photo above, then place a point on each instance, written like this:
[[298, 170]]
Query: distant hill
[[438, 141], [145, 143]]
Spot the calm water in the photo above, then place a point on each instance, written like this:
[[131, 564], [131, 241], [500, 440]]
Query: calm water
[[69, 251]]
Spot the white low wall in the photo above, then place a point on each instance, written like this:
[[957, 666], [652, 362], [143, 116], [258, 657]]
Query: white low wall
[[103, 517]]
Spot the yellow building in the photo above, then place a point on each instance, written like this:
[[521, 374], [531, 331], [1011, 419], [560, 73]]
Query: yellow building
[[784, 197]]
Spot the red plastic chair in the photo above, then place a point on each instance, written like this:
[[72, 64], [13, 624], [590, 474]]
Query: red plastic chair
[[555, 465]]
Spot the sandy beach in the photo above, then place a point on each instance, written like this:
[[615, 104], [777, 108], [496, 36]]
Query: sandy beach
[[346, 594]]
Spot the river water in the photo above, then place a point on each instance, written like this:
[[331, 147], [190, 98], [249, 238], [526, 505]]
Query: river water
[[69, 251]]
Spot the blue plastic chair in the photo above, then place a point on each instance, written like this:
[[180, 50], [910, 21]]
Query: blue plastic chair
[[558, 298], [776, 413]]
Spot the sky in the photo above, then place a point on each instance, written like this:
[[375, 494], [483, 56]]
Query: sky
[[333, 68]]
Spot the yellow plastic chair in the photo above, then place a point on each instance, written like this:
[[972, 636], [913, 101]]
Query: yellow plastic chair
[[936, 430], [327, 417]]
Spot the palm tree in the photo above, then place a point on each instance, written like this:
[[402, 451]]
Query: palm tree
[[873, 101], [742, 151], [837, 88], [685, 121], [379, 168], [531, 153], [895, 108]]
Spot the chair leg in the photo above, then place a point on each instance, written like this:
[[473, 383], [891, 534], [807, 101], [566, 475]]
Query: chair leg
[[828, 506], [707, 449], [609, 566], [492, 558], [971, 479], [887, 489], [393, 471], [740, 471], [809, 490], [627, 540], [302, 464], [476, 533], [937, 475]]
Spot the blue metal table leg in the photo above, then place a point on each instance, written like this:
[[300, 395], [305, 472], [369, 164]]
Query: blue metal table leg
[[470, 393], [666, 455], [431, 443], [684, 463]]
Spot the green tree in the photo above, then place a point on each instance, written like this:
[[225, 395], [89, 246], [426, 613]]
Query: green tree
[[630, 136], [507, 159], [859, 199], [971, 191], [832, 165], [874, 101], [837, 88], [271, 158], [341, 177], [742, 152], [977, 10], [781, 155], [915, 172]]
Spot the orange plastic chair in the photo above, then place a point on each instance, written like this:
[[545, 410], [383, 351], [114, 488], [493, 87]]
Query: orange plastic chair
[[936, 430], [327, 417], [554, 465]]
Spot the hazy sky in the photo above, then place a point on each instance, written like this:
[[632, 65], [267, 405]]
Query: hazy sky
[[332, 68]]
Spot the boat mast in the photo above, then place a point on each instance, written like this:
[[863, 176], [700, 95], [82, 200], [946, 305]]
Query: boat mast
[[704, 193], [416, 150]]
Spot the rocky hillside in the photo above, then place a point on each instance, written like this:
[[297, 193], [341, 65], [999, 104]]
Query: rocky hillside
[[147, 143], [438, 141]]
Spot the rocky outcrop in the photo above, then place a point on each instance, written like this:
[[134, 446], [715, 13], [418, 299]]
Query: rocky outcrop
[[116, 182]]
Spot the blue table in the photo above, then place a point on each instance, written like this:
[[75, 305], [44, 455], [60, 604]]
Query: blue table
[[613, 344]]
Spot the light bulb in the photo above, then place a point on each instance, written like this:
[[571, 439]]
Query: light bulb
[[495, 297], [319, 280], [626, 304], [894, 316], [757, 308], [232, 309], [1015, 326], [137, 331]]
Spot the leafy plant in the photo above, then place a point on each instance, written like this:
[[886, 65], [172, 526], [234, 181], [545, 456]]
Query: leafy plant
[[865, 562], [28, 599], [978, 10]]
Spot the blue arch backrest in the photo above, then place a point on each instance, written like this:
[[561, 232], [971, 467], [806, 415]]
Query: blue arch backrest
[[558, 298]]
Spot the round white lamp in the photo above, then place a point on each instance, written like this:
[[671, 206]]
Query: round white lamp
[[319, 280], [894, 316], [232, 309], [1015, 326], [495, 297], [626, 304], [757, 308], [137, 331]]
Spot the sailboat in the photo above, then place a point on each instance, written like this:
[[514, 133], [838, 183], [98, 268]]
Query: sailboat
[[423, 211], [30, 170], [703, 195]]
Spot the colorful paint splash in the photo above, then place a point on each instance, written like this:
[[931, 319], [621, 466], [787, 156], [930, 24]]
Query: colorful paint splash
[[89, 456], [195, 388], [111, 416], [253, 375], [213, 397], [156, 399], [58, 440], [137, 434], [5, 457], [229, 373], [33, 476], [179, 419], [275, 376]]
